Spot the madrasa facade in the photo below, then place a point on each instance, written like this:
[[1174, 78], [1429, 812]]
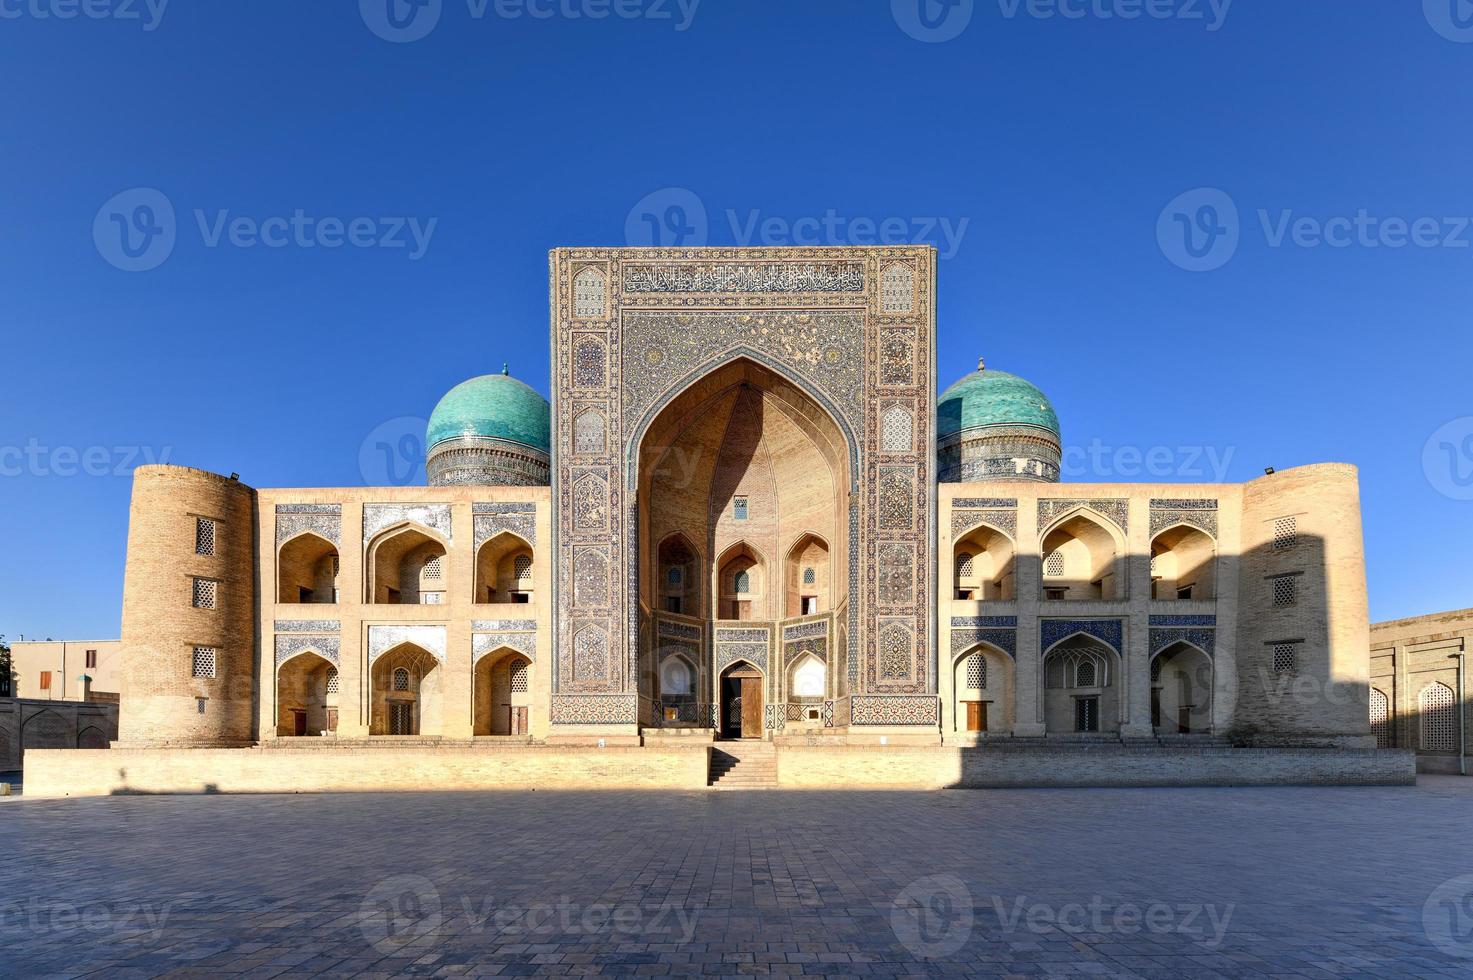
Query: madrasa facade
[[747, 514]]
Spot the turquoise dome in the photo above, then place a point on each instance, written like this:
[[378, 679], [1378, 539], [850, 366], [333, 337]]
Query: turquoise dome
[[988, 398], [494, 406]]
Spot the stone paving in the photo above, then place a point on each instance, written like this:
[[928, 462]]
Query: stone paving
[[1327, 882]]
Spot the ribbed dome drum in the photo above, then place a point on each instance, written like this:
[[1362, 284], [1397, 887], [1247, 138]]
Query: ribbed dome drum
[[489, 431], [992, 425]]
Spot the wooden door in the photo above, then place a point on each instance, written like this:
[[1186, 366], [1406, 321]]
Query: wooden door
[[332, 719], [299, 723], [976, 716], [751, 707], [518, 725]]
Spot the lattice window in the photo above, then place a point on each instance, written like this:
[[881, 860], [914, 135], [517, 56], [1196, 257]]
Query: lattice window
[[332, 680], [433, 569], [964, 564], [1285, 590], [742, 582], [588, 293], [1156, 671], [204, 536], [1381, 718], [1286, 658], [810, 577], [896, 431], [1087, 715], [1286, 533], [521, 569], [739, 508], [675, 576], [897, 289], [1085, 674], [518, 679], [1438, 708], [202, 662], [1053, 565], [206, 591], [401, 679], [976, 672]]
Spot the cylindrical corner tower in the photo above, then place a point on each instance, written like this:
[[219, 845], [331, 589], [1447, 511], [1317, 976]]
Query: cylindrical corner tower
[[992, 425], [189, 610], [491, 431]]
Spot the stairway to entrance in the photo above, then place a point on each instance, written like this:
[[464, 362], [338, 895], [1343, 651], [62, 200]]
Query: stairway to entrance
[[743, 765]]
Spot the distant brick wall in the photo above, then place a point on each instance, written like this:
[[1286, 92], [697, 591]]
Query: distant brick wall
[[937, 767], [33, 724], [368, 769]]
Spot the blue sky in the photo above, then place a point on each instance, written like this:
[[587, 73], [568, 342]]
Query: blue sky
[[1045, 154]]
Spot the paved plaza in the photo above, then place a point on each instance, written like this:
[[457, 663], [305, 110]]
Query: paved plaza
[[1327, 882]]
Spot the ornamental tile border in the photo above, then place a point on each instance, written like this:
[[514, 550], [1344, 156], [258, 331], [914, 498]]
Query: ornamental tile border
[[336, 510], [595, 709], [377, 517], [326, 526], [984, 503], [307, 626], [1205, 639], [964, 522], [1113, 509], [679, 631], [1183, 620], [752, 635], [1201, 514], [995, 622], [803, 631], [382, 639], [288, 647], [487, 526], [1004, 639], [1108, 631], [730, 653], [484, 643], [503, 626], [905, 710], [511, 507]]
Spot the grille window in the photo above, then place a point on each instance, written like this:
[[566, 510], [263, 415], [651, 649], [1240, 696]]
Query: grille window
[[810, 577], [204, 593], [202, 662], [332, 680], [1286, 533], [1087, 715], [1439, 718], [739, 509], [204, 536], [1085, 674], [964, 565], [1285, 591], [742, 584], [1053, 565], [433, 569], [1381, 718], [976, 672], [519, 677], [1156, 671], [401, 679], [521, 568], [1286, 658]]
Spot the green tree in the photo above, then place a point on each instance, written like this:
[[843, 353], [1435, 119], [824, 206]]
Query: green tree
[[5, 668]]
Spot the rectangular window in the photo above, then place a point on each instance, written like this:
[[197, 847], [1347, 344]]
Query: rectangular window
[[432, 598], [91, 659], [45, 680], [810, 605], [739, 508], [202, 664], [1286, 658], [204, 536], [200, 704], [1055, 595], [521, 597], [1286, 533], [1087, 715], [204, 593], [1185, 592], [1285, 591], [672, 603]]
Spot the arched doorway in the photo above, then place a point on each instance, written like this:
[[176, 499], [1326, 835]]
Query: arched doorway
[[503, 684], [307, 570], [407, 692], [1181, 691], [406, 566], [306, 696], [1183, 564], [1081, 559], [982, 691], [741, 701], [504, 570], [1081, 689], [744, 479]]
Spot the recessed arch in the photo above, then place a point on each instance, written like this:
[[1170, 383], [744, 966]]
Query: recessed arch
[[415, 708], [307, 567], [984, 564], [307, 700], [1183, 563], [406, 566], [1082, 554], [807, 574], [503, 692], [1081, 686], [982, 678], [1182, 686], [505, 569], [679, 575]]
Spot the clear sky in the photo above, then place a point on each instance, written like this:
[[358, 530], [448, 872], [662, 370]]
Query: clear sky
[[1319, 309]]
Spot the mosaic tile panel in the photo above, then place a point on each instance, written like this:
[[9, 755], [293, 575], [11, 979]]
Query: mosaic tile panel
[[595, 709], [323, 520], [382, 639], [755, 635], [484, 643], [1163, 637], [307, 625], [1116, 510], [590, 655], [964, 522], [898, 711], [1005, 640], [1109, 631], [991, 622], [1168, 620], [1201, 514], [377, 517], [744, 277], [590, 577], [326, 646], [487, 526], [776, 718], [984, 503], [683, 631], [729, 653], [801, 631]]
